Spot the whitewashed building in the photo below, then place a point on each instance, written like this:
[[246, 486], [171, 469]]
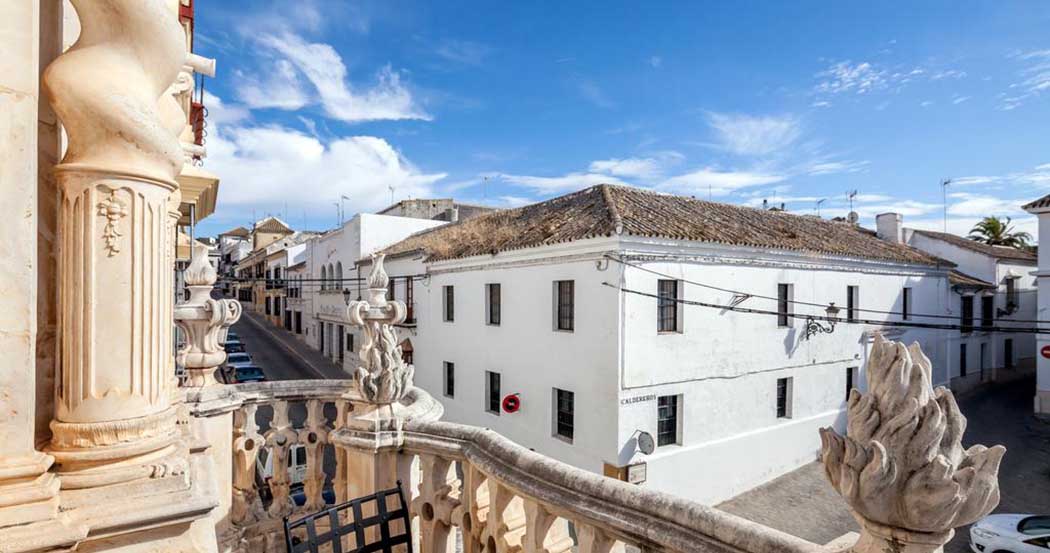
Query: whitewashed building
[[574, 306], [993, 287], [1041, 208]]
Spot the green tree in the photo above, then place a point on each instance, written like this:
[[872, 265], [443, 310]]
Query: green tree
[[997, 232]]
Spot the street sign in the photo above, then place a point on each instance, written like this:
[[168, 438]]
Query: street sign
[[1045, 351], [636, 473]]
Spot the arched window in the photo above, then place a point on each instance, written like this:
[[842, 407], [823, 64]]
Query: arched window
[[324, 277], [331, 277], [339, 275]]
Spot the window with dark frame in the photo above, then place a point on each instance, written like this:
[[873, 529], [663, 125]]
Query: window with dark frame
[[966, 314], [267, 305], [962, 359], [565, 307], [349, 341], [667, 420], [667, 305], [410, 298], [783, 398], [564, 411], [449, 303], [987, 312], [390, 289], [492, 392], [450, 379], [1011, 294], [852, 302], [906, 304], [783, 305], [492, 290]]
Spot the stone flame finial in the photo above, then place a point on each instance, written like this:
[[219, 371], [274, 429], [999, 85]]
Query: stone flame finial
[[901, 467], [204, 321], [384, 377], [200, 272]]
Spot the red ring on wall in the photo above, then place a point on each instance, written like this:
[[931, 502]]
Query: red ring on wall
[[511, 403]]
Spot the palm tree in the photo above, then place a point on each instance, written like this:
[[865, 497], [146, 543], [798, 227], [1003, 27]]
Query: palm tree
[[997, 232]]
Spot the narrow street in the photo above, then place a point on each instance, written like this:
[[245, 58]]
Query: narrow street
[[280, 354]]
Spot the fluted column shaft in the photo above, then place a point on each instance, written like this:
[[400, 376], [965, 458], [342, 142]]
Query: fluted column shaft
[[114, 420]]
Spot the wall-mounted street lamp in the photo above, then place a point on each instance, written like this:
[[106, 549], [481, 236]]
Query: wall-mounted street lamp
[[813, 327], [346, 295]]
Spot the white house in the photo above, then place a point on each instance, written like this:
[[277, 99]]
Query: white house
[[584, 308], [1041, 208], [993, 287]]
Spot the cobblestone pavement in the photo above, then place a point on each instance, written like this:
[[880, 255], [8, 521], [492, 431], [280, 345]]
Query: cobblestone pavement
[[804, 504]]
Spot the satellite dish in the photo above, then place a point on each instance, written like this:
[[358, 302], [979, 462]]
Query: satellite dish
[[645, 443], [853, 217]]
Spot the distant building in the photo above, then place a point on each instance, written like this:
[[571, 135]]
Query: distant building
[[990, 286], [439, 209], [608, 314]]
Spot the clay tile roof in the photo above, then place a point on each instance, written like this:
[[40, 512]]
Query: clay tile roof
[[605, 210], [998, 252], [272, 224], [959, 278], [238, 231], [1037, 204]]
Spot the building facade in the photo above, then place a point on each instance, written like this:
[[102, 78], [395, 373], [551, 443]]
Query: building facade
[[601, 338], [1041, 209]]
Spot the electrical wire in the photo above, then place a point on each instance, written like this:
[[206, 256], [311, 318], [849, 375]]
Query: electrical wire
[[836, 320], [799, 302]]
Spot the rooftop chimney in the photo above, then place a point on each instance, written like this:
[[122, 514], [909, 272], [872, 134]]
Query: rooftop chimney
[[452, 214], [889, 227]]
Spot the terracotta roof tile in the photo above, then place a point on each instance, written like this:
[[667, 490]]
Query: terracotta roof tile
[[272, 224], [605, 210], [998, 252], [959, 278], [1037, 204]]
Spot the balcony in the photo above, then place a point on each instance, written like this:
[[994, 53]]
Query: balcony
[[465, 484]]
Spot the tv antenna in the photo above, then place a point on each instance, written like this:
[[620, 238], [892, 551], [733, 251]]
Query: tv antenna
[[944, 200], [851, 194], [819, 203], [391, 187]]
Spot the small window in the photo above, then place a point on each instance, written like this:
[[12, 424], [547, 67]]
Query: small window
[[852, 302], [906, 304], [492, 306], [962, 359], [492, 392], [987, 312], [349, 341], [564, 291], [667, 420], [450, 379], [967, 314], [1012, 300], [449, 303], [267, 305], [667, 306], [784, 398], [564, 411], [784, 293], [851, 380], [410, 300]]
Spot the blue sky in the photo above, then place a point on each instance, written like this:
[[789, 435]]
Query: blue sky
[[506, 104]]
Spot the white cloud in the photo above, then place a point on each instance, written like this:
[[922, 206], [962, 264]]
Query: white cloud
[[281, 89], [754, 135], [644, 168], [836, 167], [221, 113], [463, 52], [266, 167], [718, 183], [872, 198], [656, 62], [564, 183], [960, 99], [845, 76], [324, 68], [982, 205], [1035, 79], [963, 225]]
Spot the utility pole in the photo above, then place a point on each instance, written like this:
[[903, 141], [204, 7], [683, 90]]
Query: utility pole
[[391, 187], [944, 200], [338, 215]]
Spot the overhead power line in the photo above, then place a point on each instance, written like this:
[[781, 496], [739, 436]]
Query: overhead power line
[[739, 293], [836, 320]]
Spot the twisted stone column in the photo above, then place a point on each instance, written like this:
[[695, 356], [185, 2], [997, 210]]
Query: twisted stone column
[[901, 467], [114, 420]]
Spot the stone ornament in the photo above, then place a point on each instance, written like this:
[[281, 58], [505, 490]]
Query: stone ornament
[[204, 321], [113, 209], [385, 377], [901, 467]]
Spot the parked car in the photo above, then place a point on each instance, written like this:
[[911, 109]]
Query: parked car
[[238, 359], [234, 347], [248, 373], [232, 336], [1011, 534], [298, 496], [264, 468]]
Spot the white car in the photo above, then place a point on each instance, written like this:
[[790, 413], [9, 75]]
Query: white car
[[240, 359], [1011, 534]]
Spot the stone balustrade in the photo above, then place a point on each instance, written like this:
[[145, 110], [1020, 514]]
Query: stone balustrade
[[497, 495]]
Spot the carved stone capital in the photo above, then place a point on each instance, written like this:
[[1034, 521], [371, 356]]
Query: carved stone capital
[[204, 321], [901, 467], [384, 378]]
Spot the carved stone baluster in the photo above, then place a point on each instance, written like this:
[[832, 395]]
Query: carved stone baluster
[[901, 467], [437, 500], [505, 523], [246, 443], [314, 437], [544, 532], [280, 438], [472, 513], [593, 540], [342, 410]]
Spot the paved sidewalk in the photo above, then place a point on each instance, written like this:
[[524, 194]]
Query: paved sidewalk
[[280, 354]]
